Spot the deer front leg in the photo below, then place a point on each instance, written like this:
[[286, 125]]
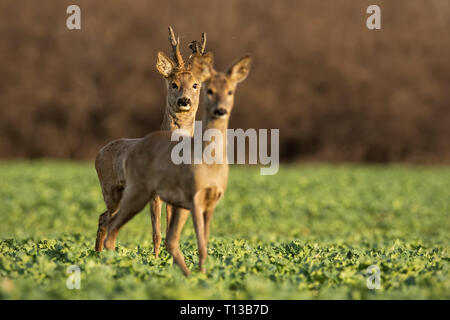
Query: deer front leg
[[207, 215], [197, 215], [177, 222], [169, 210], [155, 213]]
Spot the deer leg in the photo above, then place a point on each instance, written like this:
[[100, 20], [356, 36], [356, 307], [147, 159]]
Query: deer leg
[[112, 200], [207, 215], [155, 213], [173, 238], [169, 210], [101, 231], [133, 201], [197, 215]]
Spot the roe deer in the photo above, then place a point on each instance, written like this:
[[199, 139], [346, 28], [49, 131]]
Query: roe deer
[[183, 83], [150, 171]]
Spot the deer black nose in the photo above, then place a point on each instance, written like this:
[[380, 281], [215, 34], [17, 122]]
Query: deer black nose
[[184, 102], [220, 112]]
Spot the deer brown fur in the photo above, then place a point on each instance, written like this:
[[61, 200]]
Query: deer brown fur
[[183, 83], [149, 171]]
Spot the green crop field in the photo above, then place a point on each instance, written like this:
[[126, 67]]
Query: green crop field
[[309, 232]]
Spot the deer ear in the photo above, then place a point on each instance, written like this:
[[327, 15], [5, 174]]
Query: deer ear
[[209, 58], [202, 67], [164, 65], [239, 71]]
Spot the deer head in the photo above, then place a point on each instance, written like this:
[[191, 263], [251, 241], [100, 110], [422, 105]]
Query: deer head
[[219, 89], [184, 81]]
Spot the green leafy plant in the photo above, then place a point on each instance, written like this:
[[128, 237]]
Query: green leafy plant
[[309, 232]]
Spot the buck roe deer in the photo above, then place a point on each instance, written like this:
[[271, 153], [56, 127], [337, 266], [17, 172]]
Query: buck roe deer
[[150, 171], [183, 83]]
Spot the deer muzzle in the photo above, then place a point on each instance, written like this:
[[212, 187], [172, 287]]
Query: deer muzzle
[[219, 113], [184, 104]]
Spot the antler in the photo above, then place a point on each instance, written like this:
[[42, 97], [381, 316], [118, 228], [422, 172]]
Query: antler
[[197, 47], [175, 42], [203, 42]]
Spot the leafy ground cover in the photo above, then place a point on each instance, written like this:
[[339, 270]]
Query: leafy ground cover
[[309, 232]]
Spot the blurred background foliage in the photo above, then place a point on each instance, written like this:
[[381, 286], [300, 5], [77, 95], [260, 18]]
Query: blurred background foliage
[[336, 91]]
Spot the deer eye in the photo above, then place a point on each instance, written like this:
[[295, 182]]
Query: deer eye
[[195, 86], [174, 85], [230, 93], [210, 91]]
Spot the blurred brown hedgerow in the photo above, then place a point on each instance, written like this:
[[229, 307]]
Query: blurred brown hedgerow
[[336, 91]]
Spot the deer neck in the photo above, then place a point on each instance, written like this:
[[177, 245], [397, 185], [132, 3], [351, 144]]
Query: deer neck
[[181, 120], [217, 124]]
